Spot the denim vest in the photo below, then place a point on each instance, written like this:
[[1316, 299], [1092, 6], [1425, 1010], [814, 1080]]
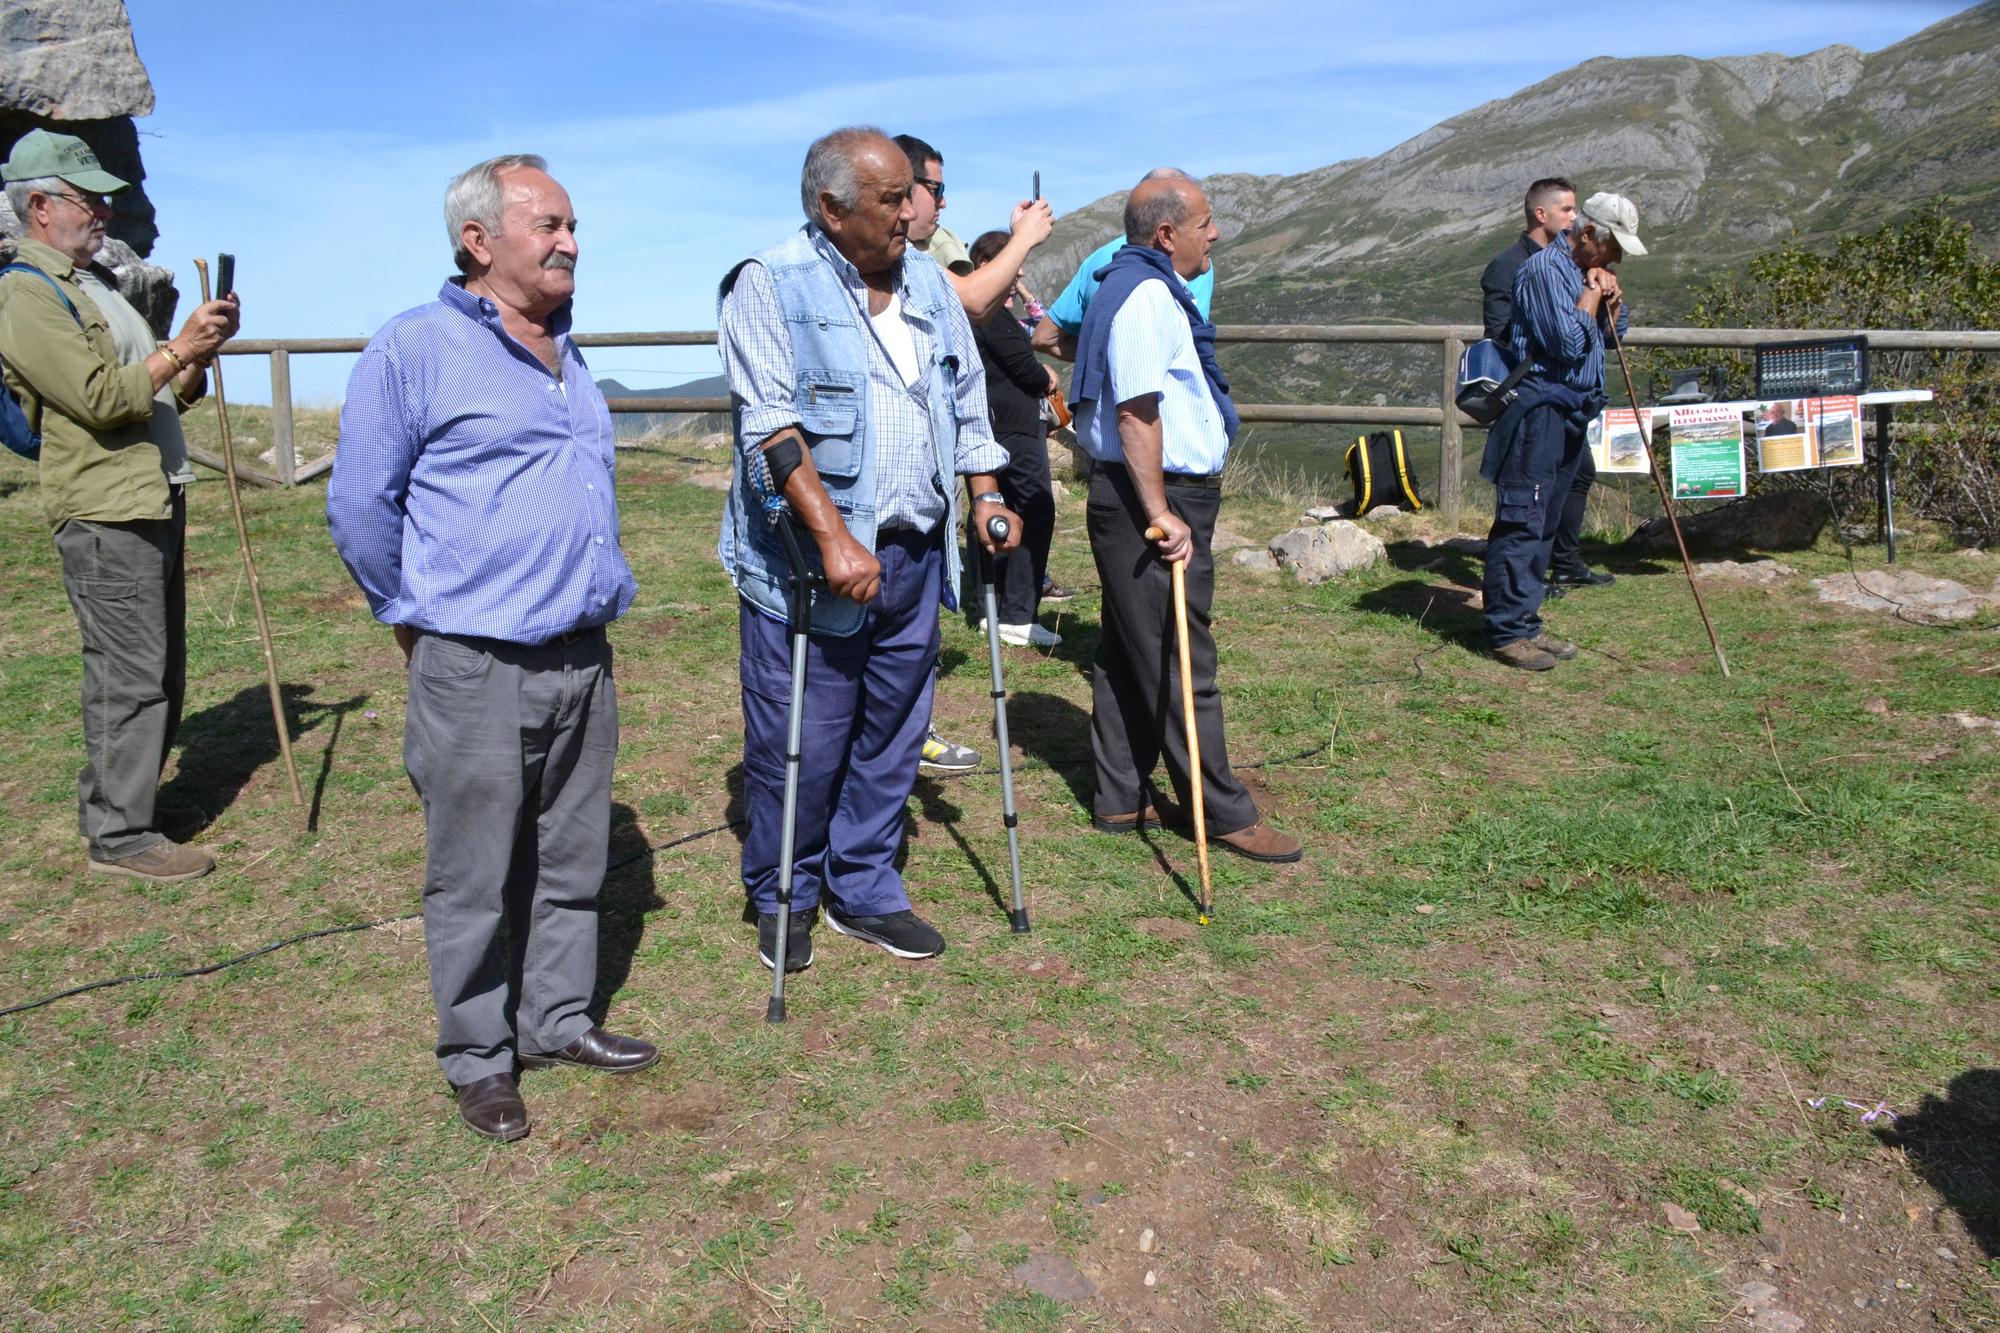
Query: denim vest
[[830, 392]]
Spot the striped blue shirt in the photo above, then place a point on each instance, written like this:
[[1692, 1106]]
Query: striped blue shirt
[[1152, 353], [472, 492], [1565, 345], [757, 357]]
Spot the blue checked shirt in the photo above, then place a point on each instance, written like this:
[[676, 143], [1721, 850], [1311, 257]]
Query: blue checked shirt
[[757, 357], [1566, 345], [472, 492]]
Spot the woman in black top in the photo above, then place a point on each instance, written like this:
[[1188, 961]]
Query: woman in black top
[[1016, 384]]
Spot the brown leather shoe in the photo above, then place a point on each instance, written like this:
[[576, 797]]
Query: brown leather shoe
[[492, 1106], [1523, 654], [598, 1049], [1158, 812], [1261, 842], [1560, 649], [164, 862]]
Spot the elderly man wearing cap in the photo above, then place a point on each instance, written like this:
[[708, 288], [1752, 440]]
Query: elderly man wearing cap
[[1564, 298], [106, 399]]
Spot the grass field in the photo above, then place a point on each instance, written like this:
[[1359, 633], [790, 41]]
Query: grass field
[[1567, 955]]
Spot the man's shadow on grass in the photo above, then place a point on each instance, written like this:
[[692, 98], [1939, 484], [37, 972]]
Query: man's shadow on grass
[[1953, 1142], [1448, 610], [223, 746], [629, 892]]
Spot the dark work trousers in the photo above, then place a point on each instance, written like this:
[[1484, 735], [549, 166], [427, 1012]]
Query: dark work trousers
[[1566, 553], [1025, 482], [867, 704], [1528, 495], [127, 585], [510, 746], [1136, 719]]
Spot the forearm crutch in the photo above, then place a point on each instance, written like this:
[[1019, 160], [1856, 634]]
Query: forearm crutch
[[997, 529], [798, 622]]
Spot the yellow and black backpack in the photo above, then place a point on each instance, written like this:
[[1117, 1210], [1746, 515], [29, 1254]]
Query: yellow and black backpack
[[1381, 473]]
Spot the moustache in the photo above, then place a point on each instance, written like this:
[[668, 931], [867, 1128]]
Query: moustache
[[560, 260]]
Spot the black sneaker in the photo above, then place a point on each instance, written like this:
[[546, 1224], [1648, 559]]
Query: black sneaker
[[904, 934], [798, 940], [1055, 592], [1580, 578]]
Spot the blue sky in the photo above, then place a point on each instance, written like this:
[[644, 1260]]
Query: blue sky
[[314, 141]]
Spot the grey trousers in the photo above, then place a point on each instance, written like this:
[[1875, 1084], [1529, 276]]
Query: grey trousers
[[510, 747], [1136, 717], [127, 585]]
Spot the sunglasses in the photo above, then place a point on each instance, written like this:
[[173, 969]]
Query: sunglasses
[[89, 203], [935, 187]]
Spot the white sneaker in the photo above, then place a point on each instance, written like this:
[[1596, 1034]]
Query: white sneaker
[[1029, 636]]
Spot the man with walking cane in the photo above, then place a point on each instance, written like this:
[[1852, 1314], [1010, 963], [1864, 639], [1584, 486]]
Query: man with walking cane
[[1153, 411], [1565, 297], [859, 401], [106, 399], [472, 501]]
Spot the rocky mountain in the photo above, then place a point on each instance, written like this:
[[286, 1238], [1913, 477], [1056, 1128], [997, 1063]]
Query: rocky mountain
[[629, 426], [70, 66], [1724, 158]]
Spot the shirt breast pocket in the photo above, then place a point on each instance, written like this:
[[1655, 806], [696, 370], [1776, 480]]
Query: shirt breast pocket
[[829, 413]]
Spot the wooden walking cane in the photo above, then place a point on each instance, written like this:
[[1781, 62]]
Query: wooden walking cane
[[249, 562], [1193, 738], [1667, 503]]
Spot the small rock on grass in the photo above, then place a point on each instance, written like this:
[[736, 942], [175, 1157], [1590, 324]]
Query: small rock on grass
[[1257, 558], [1054, 1276], [1756, 1295], [1728, 1186], [1778, 1321], [1146, 1241], [1974, 722], [1680, 1219], [1875, 704]]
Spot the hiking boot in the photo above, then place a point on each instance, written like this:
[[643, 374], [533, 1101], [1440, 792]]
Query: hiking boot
[[165, 862], [1560, 649], [945, 757], [1580, 577], [904, 934], [1055, 592], [1523, 654], [798, 939], [1261, 842]]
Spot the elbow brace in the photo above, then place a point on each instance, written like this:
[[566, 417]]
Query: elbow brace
[[783, 459]]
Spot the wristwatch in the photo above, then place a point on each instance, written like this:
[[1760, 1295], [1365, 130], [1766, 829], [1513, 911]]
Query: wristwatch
[[990, 498]]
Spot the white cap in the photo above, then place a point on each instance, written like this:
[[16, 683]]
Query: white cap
[[1614, 213]]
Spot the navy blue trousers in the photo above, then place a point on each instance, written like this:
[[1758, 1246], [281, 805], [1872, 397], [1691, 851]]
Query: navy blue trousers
[[867, 704], [1528, 495]]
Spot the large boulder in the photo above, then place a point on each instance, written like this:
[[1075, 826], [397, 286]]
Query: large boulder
[[1904, 593], [1774, 519], [1324, 551]]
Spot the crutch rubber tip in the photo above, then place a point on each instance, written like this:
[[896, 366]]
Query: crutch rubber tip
[[775, 1011], [1019, 920]]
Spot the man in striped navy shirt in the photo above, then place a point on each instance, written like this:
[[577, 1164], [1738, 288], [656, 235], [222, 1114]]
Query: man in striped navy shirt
[[472, 501], [1564, 297]]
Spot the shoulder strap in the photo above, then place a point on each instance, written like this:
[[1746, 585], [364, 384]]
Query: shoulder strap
[[54, 286]]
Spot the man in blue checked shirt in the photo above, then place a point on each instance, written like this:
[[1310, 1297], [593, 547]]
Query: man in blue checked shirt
[[859, 397], [473, 502], [1565, 297]]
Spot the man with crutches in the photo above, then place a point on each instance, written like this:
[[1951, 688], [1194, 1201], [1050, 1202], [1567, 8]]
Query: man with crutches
[[1153, 411], [859, 400]]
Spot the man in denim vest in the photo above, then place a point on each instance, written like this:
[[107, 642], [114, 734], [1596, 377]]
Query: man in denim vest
[[858, 400]]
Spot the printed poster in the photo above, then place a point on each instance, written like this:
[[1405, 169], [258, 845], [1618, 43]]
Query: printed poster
[[1705, 451], [1835, 425], [1619, 439], [1783, 443]]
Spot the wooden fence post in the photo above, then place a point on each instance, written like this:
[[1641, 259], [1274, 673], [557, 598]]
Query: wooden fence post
[[1451, 442], [285, 449]]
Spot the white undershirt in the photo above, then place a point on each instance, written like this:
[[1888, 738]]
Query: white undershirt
[[897, 341]]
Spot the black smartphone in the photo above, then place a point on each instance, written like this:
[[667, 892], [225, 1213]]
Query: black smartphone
[[1038, 187], [225, 275]]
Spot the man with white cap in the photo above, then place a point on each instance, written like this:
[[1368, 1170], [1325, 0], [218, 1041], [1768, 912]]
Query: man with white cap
[[106, 399], [1565, 298]]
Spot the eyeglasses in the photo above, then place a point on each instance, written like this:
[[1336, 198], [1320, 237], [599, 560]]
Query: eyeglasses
[[91, 204], [935, 187]]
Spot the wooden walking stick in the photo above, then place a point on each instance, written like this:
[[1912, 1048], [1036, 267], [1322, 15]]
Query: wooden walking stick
[[249, 562], [1667, 503], [1193, 738]]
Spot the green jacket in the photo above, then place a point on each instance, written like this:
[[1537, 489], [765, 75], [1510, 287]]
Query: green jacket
[[98, 462]]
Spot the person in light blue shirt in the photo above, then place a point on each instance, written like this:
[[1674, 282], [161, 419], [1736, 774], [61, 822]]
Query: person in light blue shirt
[[1154, 413], [472, 502], [1056, 334]]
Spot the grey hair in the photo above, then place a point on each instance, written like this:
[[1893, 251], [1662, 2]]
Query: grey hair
[[829, 168], [18, 192], [1143, 217], [474, 196]]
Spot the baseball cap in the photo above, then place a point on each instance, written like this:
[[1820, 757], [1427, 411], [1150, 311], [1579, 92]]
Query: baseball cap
[[40, 154], [1616, 214]]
